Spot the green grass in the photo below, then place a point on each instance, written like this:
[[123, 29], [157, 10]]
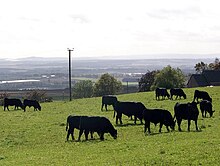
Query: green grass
[[38, 138]]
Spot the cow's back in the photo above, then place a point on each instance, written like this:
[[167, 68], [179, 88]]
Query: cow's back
[[109, 99], [129, 108]]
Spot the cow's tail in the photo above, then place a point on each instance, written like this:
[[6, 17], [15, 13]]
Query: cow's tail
[[67, 123], [174, 117]]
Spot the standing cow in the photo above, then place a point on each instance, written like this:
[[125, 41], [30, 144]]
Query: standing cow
[[13, 102], [155, 116], [186, 111], [161, 92], [178, 92], [201, 95], [87, 124], [206, 106], [108, 100], [74, 122], [32, 103], [129, 109]]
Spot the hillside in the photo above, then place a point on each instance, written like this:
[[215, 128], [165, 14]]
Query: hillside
[[38, 138]]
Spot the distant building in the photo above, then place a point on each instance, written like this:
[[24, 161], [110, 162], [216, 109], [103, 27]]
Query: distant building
[[206, 78]]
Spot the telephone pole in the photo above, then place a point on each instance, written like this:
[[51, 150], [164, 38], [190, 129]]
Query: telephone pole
[[70, 88]]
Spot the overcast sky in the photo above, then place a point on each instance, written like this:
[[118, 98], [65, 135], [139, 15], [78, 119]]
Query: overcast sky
[[109, 28]]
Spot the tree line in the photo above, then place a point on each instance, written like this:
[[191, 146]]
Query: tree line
[[168, 78]]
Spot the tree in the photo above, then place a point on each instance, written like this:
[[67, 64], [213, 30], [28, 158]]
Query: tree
[[168, 78], [200, 67], [107, 85], [215, 65], [146, 81], [83, 89], [39, 95]]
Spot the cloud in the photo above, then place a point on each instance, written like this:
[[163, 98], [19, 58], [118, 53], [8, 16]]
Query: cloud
[[189, 13], [79, 19]]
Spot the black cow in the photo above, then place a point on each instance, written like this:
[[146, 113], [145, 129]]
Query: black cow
[[206, 106], [178, 92], [32, 103], [129, 109], [13, 102], [74, 122], [201, 95], [155, 116], [186, 111], [161, 92], [87, 124], [108, 100]]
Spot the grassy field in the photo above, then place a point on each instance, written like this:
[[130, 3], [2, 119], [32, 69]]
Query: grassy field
[[38, 138]]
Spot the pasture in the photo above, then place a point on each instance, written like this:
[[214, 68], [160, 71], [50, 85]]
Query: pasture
[[38, 138]]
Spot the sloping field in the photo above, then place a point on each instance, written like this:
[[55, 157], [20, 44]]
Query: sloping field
[[38, 138]]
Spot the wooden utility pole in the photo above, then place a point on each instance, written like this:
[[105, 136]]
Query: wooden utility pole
[[70, 88]]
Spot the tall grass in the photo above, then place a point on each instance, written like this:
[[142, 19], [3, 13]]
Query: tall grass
[[38, 138]]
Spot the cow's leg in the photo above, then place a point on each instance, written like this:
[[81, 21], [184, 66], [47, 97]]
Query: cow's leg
[[106, 107], [135, 119], [205, 113], [189, 125], [168, 128], [202, 113], [102, 136], [24, 108], [118, 116], [196, 125], [7, 108], [102, 106], [91, 134], [141, 121], [179, 124], [161, 125], [86, 132], [147, 126], [70, 131], [72, 134], [80, 134]]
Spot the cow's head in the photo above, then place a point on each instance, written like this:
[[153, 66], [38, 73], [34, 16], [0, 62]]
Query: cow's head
[[113, 133], [39, 107], [211, 113], [172, 124]]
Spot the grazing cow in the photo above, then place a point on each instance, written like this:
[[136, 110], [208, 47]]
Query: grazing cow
[[129, 109], [32, 103], [108, 100], [161, 92], [155, 116], [87, 124], [201, 95], [206, 106], [186, 111], [13, 102], [178, 92]]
